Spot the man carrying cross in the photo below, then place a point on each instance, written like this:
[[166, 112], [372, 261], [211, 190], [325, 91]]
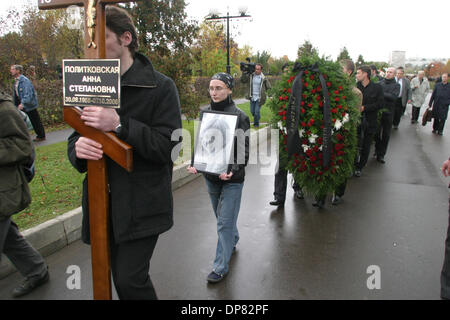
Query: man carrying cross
[[141, 204]]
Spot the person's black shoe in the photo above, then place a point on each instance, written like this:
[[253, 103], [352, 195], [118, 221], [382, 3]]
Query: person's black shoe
[[214, 277], [380, 159], [29, 285], [434, 131], [39, 139], [357, 173], [440, 133], [277, 203], [335, 200], [319, 203], [395, 127], [299, 194]]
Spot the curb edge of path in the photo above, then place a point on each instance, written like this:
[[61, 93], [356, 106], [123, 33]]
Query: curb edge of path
[[57, 233]]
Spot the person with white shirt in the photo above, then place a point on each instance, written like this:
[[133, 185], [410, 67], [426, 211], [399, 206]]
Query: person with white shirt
[[258, 85], [404, 96]]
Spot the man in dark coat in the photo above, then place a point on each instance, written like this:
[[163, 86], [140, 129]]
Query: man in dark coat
[[141, 201], [373, 100], [391, 90], [404, 96], [439, 101], [16, 149]]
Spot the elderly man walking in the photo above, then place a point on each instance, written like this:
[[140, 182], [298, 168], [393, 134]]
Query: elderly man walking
[[25, 98], [419, 87]]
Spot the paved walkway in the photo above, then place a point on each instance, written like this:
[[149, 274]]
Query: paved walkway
[[394, 217]]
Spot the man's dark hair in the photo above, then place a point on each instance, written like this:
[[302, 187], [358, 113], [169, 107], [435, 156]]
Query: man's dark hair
[[365, 69], [119, 21], [373, 67], [348, 64], [401, 68], [259, 64]]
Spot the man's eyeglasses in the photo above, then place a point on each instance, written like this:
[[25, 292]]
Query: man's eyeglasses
[[217, 89]]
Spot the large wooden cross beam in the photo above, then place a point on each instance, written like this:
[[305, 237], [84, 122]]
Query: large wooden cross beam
[[116, 149]]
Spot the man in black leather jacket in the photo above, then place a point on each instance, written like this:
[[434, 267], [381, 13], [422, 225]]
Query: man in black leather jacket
[[391, 90], [373, 100]]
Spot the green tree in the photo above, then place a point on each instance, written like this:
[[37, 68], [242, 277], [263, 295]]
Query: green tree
[[262, 58], [165, 36], [343, 54], [39, 38], [211, 38], [306, 49], [360, 60]]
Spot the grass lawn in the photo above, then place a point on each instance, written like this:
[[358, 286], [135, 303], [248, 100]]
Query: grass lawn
[[56, 187], [266, 113]]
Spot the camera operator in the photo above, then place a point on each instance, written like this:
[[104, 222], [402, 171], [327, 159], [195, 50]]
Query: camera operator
[[258, 85]]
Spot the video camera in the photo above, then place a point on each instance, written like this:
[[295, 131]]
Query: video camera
[[248, 67]]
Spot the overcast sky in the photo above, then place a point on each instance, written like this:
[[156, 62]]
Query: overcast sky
[[372, 28]]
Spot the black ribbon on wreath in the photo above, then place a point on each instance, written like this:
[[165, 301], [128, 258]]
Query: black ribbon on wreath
[[293, 114]]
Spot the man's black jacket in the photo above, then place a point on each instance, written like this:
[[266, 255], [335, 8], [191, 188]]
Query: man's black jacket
[[141, 201], [391, 90], [373, 100]]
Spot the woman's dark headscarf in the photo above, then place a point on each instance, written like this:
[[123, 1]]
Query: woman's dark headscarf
[[225, 78]]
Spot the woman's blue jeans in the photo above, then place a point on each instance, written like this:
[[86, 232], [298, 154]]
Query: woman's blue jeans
[[226, 201]]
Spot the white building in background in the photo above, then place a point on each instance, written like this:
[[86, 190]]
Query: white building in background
[[398, 59]]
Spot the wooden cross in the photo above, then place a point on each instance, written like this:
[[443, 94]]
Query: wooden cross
[[116, 149]]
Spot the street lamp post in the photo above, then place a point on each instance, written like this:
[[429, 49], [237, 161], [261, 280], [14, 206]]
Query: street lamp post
[[214, 16]]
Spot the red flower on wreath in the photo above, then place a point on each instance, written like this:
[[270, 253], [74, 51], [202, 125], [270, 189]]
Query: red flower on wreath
[[309, 152]]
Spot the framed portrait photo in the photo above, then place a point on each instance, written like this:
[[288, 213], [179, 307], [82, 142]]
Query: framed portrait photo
[[213, 149]]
